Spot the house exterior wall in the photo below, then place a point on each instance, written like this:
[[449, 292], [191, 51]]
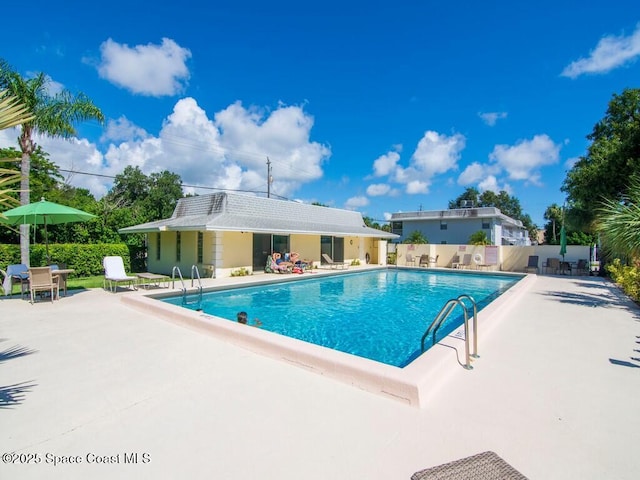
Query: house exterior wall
[[458, 230], [226, 252], [307, 246]]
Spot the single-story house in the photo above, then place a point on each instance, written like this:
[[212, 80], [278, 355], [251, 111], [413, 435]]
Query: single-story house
[[456, 225], [222, 233]]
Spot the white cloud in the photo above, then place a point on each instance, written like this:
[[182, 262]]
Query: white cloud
[[385, 164], [524, 160], [472, 174], [122, 129], [354, 203], [379, 189], [610, 52], [491, 183], [152, 70], [570, 162], [490, 118], [228, 152], [437, 153], [416, 186]]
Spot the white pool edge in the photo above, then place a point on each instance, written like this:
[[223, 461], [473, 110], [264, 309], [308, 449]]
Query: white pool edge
[[411, 385]]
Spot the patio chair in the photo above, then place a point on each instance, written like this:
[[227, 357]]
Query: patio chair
[[410, 259], [466, 261], [17, 273], [114, 274], [583, 267], [329, 261], [455, 261], [41, 280], [532, 264], [553, 264], [424, 261]]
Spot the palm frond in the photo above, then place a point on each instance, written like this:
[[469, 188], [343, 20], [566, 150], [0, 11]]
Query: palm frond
[[12, 112]]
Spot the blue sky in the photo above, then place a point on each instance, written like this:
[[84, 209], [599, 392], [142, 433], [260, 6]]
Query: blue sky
[[379, 107]]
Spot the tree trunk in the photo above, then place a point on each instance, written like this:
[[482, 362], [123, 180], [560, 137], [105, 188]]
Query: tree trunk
[[25, 169]]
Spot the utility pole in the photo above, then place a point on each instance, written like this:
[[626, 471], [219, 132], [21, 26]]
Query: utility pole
[[269, 178]]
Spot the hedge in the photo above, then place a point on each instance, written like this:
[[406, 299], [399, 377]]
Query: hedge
[[85, 259]]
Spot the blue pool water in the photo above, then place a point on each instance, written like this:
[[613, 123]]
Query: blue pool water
[[379, 314]]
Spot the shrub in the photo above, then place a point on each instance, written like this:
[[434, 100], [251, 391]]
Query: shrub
[[85, 259], [627, 276], [241, 272]]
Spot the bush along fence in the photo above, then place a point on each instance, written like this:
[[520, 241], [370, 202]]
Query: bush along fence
[[85, 259]]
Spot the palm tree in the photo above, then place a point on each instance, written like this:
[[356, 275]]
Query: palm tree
[[54, 117], [12, 113], [619, 223]]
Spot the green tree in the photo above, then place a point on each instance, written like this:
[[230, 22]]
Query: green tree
[[612, 158], [54, 116], [469, 197], [416, 237], [479, 238], [506, 203], [165, 188], [553, 216]]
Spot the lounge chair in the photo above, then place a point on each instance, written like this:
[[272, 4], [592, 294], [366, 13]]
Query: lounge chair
[[466, 261], [532, 264], [17, 273], [455, 261], [424, 261], [329, 261], [114, 274], [272, 267], [41, 280]]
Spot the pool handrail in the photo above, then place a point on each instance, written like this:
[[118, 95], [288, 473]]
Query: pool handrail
[[444, 312]]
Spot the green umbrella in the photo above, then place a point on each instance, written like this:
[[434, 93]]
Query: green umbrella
[[43, 213], [563, 242]]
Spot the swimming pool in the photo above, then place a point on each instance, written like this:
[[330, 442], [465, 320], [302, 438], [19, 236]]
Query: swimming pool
[[380, 315]]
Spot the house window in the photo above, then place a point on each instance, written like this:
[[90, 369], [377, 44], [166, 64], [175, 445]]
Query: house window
[[443, 242], [158, 246], [486, 225], [281, 244], [443, 225], [200, 246], [178, 246], [396, 227]]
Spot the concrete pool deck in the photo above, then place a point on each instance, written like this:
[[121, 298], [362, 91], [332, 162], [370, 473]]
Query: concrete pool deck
[[89, 379]]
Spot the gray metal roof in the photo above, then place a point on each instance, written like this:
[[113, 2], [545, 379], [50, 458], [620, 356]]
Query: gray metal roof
[[235, 212]]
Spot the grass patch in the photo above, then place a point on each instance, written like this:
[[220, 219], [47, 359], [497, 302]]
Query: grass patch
[[74, 283]]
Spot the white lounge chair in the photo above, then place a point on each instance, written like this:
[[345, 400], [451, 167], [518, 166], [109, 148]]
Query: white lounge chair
[[329, 261], [114, 274]]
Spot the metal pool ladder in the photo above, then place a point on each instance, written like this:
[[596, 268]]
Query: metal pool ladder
[[444, 312], [195, 275]]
